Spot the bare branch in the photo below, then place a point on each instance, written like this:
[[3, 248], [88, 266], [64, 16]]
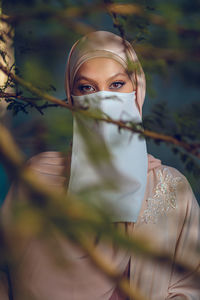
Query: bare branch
[[18, 96], [192, 148], [33, 89]]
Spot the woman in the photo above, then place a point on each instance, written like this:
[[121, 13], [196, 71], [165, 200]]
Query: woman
[[167, 214]]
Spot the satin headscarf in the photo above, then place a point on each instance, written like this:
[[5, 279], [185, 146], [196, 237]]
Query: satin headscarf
[[105, 44], [111, 46]]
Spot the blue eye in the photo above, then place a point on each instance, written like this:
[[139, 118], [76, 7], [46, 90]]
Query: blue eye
[[117, 84], [86, 88]]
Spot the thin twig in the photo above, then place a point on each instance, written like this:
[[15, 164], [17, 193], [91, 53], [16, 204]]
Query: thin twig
[[191, 148], [17, 96], [33, 89]]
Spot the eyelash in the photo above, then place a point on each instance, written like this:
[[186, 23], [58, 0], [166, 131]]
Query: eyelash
[[83, 86], [119, 82]]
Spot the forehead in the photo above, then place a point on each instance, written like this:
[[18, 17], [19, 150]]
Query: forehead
[[100, 65]]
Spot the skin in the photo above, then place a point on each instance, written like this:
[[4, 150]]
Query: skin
[[92, 77]]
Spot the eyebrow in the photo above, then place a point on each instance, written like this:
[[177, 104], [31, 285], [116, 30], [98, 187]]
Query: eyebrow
[[90, 79]]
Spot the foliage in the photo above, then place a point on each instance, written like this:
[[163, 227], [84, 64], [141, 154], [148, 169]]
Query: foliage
[[166, 37]]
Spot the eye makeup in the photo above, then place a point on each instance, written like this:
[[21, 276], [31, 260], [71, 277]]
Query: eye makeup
[[117, 84], [86, 88]]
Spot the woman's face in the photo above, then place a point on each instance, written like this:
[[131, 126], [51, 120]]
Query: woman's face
[[101, 74]]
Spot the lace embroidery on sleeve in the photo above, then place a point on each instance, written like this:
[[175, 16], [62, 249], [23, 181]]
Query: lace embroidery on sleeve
[[164, 197]]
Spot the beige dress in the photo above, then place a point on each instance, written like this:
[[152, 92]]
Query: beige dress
[[169, 222], [170, 219]]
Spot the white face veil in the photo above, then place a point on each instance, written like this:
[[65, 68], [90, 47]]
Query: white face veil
[[116, 179]]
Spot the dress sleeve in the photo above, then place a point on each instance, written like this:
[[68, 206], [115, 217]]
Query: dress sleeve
[[185, 284]]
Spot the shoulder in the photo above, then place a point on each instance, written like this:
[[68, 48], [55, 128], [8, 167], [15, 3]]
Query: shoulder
[[51, 167], [48, 157], [167, 171], [173, 183], [174, 179], [168, 194], [169, 179]]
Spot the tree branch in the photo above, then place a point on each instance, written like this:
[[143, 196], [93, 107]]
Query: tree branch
[[192, 148], [33, 89], [64, 213], [17, 96], [9, 153]]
